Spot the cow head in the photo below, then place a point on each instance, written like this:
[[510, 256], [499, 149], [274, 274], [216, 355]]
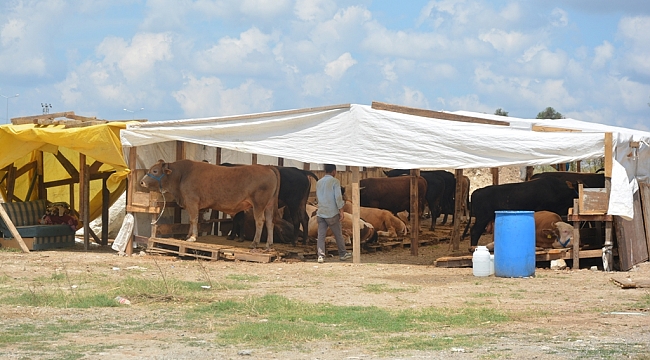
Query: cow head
[[562, 233], [153, 178]]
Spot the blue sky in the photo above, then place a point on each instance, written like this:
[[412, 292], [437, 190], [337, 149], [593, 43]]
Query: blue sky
[[176, 59]]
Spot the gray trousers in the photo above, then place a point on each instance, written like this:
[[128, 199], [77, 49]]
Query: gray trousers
[[335, 224]]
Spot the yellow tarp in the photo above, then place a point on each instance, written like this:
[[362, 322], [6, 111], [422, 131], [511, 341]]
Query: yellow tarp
[[21, 144]]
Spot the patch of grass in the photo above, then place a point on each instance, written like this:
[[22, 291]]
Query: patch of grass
[[274, 320], [383, 288], [430, 342], [9, 250], [60, 299], [643, 303], [484, 295], [247, 278]]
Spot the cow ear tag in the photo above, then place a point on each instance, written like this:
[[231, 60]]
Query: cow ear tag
[[548, 236]]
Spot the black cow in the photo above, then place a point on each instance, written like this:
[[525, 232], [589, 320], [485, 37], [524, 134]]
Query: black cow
[[589, 180], [294, 193], [243, 228], [392, 194], [545, 193], [440, 191]]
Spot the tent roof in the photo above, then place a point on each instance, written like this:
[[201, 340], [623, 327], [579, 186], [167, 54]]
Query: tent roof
[[358, 135], [19, 145]]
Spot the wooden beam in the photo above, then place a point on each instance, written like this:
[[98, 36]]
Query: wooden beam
[[82, 118], [253, 116], [67, 165], [356, 216], [35, 118], [12, 229], [84, 198], [541, 128], [415, 214], [495, 175], [608, 155], [435, 114], [458, 208]]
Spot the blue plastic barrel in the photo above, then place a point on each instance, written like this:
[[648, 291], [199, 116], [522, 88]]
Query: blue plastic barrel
[[514, 243]]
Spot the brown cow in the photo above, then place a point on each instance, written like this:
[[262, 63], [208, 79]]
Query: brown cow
[[550, 231], [384, 222], [199, 185], [367, 231]]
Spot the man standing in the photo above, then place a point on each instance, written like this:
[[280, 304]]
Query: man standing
[[330, 212]]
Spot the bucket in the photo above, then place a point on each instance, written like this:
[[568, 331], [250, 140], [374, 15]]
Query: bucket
[[481, 261], [514, 243]]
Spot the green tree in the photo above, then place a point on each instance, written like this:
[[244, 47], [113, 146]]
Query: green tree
[[500, 112], [549, 113]]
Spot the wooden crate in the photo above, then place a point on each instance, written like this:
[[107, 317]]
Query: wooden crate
[[592, 201]]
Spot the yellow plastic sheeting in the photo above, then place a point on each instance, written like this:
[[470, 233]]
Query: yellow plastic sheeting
[[21, 144]]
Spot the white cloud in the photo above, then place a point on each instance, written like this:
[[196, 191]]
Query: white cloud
[[310, 10], [388, 70], [207, 96], [635, 32], [335, 69], [413, 98], [633, 95], [139, 58], [12, 31], [345, 26], [246, 53], [602, 54], [469, 102], [538, 61], [560, 18], [264, 8], [507, 42]]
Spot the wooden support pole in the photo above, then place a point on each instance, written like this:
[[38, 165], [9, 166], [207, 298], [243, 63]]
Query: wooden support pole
[[458, 209], [608, 246], [84, 198], [356, 215], [415, 214], [576, 236], [105, 216], [12, 229], [131, 183], [495, 175]]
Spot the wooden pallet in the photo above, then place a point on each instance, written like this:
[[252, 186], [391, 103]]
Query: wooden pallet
[[207, 251], [544, 255]]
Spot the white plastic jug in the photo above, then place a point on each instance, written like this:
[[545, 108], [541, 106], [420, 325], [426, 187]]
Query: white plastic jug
[[481, 261]]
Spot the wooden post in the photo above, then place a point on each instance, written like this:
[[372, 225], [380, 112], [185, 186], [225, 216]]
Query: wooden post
[[105, 216], [455, 233], [529, 172], [180, 155], [42, 191], [415, 214], [131, 183], [495, 175], [576, 236], [253, 159], [12, 229], [356, 215], [84, 198], [608, 246]]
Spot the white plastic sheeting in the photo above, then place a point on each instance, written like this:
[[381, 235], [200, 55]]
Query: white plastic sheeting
[[362, 136]]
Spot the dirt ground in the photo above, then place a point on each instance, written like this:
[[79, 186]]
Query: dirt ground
[[574, 314], [559, 314]]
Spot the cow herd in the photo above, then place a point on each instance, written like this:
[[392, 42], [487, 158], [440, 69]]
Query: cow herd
[[271, 202]]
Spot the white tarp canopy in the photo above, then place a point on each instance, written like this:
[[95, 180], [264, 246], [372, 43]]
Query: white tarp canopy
[[358, 135]]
